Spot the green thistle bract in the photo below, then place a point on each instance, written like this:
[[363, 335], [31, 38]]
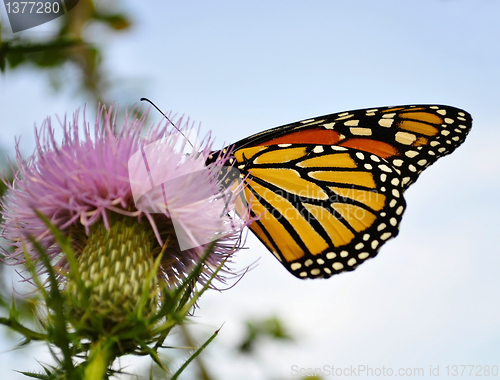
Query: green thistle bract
[[116, 272]]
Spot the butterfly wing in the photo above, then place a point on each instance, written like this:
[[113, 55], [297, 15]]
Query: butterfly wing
[[410, 137], [327, 211], [329, 190]]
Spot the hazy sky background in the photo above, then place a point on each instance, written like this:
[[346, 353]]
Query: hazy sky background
[[431, 297]]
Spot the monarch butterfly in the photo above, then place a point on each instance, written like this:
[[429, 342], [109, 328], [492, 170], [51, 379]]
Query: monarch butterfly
[[328, 191]]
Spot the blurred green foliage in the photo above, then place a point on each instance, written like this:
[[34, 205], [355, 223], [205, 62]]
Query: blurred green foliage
[[68, 46], [256, 330]]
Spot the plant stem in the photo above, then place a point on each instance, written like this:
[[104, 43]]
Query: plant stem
[[99, 359]]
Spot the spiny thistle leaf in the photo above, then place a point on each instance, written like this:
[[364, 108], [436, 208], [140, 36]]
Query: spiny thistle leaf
[[55, 301], [195, 354], [65, 245]]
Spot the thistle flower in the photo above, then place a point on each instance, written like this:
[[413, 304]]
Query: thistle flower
[[97, 189]]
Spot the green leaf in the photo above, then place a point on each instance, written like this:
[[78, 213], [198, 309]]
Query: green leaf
[[115, 21]]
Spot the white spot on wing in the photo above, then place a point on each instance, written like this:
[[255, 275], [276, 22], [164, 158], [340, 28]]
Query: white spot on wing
[[351, 123], [331, 255], [361, 131], [315, 272], [405, 138], [381, 226], [318, 149], [385, 122], [344, 116], [386, 235], [338, 266], [363, 255], [385, 168], [312, 122]]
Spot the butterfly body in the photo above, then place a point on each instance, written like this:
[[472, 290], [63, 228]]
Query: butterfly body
[[328, 191]]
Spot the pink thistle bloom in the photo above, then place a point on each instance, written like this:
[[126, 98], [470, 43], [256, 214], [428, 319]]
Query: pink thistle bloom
[[85, 182]]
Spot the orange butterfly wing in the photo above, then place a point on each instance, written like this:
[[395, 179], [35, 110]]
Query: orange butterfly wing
[[329, 190]]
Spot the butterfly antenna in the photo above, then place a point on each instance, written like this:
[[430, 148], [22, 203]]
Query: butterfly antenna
[[166, 117]]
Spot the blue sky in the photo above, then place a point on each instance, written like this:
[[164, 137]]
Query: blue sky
[[431, 296]]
